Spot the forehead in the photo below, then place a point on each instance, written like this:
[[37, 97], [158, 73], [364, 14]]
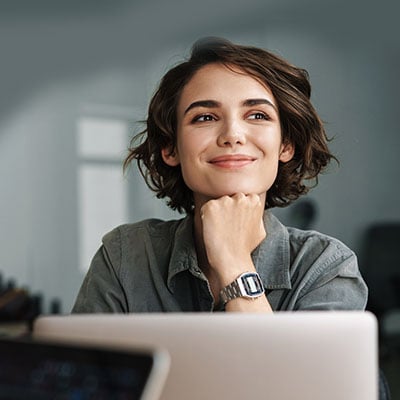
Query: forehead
[[223, 82]]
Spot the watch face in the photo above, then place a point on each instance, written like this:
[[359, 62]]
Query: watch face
[[252, 284]]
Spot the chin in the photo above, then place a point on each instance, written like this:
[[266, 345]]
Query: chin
[[230, 191]]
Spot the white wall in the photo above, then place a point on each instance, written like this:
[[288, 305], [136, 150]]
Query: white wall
[[54, 64]]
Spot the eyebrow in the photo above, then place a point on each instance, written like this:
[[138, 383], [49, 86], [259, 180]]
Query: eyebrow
[[255, 102], [203, 103], [216, 104]]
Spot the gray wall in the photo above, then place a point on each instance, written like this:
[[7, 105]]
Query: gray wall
[[57, 58]]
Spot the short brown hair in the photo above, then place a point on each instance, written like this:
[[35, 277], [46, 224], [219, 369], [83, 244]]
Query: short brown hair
[[300, 124]]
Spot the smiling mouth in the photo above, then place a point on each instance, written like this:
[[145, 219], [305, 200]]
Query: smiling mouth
[[232, 161]]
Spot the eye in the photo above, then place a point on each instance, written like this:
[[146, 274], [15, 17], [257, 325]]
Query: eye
[[259, 115], [203, 118]]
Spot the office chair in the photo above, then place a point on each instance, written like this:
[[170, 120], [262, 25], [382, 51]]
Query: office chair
[[380, 267], [381, 270], [384, 390]]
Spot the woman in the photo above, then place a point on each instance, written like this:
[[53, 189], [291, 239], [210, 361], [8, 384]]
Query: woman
[[230, 134]]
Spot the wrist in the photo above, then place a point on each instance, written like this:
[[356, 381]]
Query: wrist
[[247, 285], [230, 268]]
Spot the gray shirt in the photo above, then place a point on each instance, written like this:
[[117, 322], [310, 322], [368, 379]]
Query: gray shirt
[[151, 266]]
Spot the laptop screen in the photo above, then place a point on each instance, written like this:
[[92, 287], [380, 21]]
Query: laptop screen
[[37, 370]]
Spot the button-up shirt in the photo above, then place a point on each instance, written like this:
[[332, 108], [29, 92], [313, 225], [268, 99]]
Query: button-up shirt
[[151, 266]]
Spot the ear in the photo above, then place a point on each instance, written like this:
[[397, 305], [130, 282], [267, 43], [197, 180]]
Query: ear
[[170, 157], [286, 152]]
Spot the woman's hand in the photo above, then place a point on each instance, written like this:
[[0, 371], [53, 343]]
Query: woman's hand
[[232, 228]]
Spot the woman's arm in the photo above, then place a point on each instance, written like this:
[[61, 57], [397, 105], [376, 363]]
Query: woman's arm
[[232, 227]]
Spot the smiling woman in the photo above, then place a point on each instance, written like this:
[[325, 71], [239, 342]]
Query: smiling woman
[[230, 133], [231, 142]]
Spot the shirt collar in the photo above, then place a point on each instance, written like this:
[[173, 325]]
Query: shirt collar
[[271, 258], [183, 255]]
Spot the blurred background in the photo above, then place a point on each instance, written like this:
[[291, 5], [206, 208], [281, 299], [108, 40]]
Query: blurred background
[[76, 77]]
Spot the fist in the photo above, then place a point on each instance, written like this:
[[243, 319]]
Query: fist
[[232, 228]]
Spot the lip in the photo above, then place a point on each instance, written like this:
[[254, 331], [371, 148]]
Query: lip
[[232, 160]]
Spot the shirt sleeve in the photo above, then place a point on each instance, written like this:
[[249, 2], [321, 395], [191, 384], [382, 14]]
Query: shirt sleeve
[[101, 290], [335, 285]]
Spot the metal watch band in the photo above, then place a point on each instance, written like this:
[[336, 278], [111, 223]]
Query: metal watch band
[[247, 285]]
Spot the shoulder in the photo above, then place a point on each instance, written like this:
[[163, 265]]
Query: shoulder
[[126, 234], [321, 253], [325, 273], [151, 226], [304, 244], [322, 271], [131, 247], [316, 241]]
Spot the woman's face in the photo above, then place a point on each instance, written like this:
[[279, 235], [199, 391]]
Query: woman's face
[[228, 135]]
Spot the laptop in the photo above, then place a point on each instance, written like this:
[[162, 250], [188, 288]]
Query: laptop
[[235, 356], [48, 370]]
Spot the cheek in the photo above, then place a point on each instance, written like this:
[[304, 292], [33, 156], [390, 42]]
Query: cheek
[[187, 154], [192, 146], [271, 146], [190, 176]]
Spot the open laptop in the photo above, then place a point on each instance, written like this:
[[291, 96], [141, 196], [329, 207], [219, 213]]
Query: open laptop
[[281, 356], [48, 370]]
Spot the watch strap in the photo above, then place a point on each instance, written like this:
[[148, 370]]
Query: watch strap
[[248, 285]]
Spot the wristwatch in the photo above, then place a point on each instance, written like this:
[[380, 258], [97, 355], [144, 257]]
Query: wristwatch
[[247, 285]]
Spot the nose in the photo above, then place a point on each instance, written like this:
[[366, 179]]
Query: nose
[[231, 134]]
